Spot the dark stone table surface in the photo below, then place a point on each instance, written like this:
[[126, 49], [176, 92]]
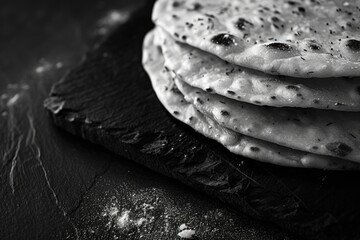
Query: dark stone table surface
[[56, 186]]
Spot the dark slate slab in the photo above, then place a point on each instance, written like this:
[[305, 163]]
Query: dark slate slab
[[108, 100]]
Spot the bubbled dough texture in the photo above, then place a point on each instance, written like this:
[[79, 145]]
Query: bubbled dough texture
[[206, 71], [239, 144], [308, 130], [197, 24]]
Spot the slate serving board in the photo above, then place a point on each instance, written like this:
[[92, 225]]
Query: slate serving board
[[109, 101]]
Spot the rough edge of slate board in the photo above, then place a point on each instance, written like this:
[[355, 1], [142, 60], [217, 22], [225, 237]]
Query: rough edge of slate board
[[108, 100]]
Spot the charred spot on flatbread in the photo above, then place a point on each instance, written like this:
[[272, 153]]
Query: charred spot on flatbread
[[279, 46], [353, 45], [223, 39], [242, 24], [339, 149]]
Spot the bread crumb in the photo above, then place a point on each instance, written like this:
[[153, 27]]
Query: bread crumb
[[187, 233], [183, 226]]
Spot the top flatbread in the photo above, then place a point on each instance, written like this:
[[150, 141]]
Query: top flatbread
[[309, 38], [208, 72]]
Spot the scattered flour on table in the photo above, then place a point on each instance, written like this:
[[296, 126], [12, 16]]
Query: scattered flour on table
[[13, 100], [124, 218], [112, 19], [152, 213], [140, 221], [123, 221], [46, 66], [59, 65], [146, 208]]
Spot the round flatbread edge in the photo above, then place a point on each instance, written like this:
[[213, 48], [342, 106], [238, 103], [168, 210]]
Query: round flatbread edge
[[242, 145]]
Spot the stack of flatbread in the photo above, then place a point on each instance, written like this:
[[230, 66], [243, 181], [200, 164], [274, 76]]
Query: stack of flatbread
[[276, 81]]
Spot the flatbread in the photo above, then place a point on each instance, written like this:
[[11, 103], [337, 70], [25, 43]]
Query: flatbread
[[318, 131], [174, 102], [208, 72], [308, 38]]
